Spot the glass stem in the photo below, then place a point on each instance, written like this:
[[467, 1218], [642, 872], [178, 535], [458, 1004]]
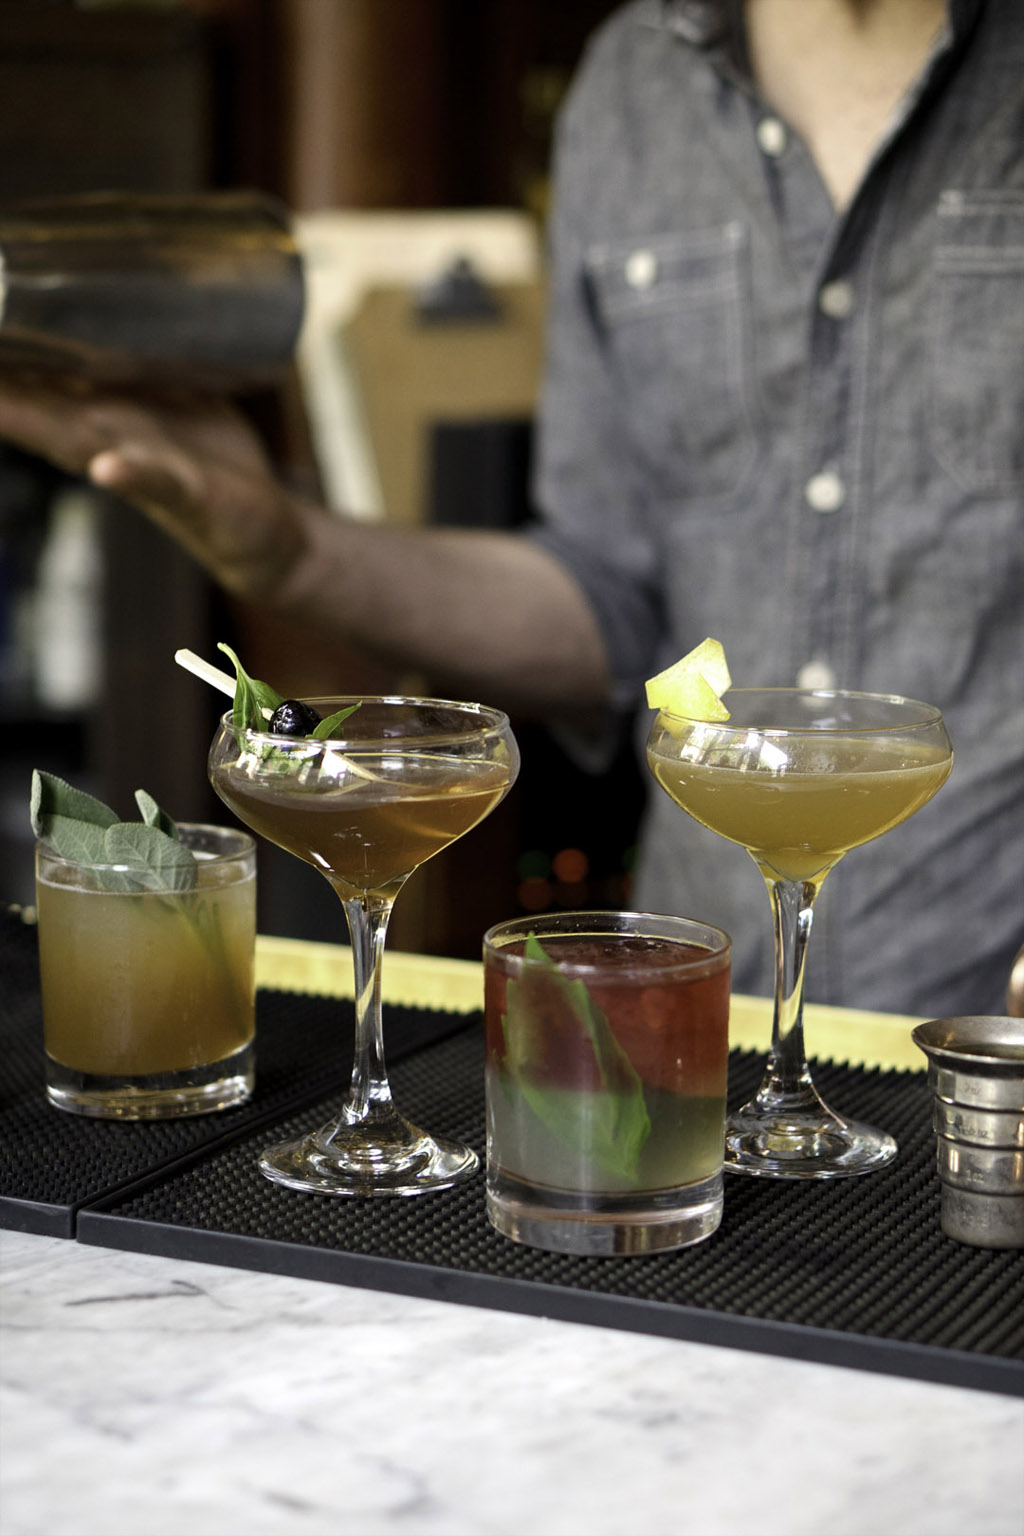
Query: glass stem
[[787, 1084], [369, 1096]]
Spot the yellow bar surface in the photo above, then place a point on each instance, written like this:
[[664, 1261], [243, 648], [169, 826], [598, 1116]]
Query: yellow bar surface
[[432, 981]]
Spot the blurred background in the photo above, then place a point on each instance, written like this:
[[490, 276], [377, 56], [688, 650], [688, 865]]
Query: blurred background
[[410, 139]]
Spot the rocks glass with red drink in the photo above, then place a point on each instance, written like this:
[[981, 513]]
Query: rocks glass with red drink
[[607, 1052]]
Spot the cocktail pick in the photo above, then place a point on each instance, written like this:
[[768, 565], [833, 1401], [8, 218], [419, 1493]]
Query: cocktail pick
[[211, 674]]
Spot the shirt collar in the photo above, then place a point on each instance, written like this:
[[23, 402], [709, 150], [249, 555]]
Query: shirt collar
[[710, 23], [701, 23]]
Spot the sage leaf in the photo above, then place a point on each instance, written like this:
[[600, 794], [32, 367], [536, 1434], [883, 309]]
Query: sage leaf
[[609, 1125], [155, 861], [52, 796], [124, 855], [152, 815], [80, 842]]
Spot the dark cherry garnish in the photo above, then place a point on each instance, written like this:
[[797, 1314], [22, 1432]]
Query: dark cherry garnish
[[293, 718]]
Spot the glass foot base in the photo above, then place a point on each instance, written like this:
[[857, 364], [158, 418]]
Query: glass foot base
[[153, 1096], [566, 1221], [349, 1160], [803, 1146]]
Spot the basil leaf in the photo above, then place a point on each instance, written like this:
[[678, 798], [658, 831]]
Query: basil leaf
[[610, 1125], [598, 1126], [251, 696], [152, 815], [266, 697], [325, 730], [52, 797]]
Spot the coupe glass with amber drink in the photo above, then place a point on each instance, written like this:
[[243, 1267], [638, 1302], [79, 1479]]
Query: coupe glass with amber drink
[[798, 778], [404, 778]]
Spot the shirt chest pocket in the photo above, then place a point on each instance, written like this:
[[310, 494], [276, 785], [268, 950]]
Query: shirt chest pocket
[[977, 353], [674, 310]]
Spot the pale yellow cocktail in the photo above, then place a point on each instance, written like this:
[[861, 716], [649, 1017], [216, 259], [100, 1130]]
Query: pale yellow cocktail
[[798, 821], [798, 778]]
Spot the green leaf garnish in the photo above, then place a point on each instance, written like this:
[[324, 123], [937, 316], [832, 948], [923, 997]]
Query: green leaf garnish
[[151, 859], [152, 815], [610, 1124], [251, 696], [327, 727], [125, 855], [52, 797], [255, 701]]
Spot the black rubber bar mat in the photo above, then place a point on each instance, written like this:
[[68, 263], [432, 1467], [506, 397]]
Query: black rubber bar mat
[[852, 1272], [53, 1162]]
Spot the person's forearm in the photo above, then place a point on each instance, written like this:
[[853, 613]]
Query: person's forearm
[[481, 613]]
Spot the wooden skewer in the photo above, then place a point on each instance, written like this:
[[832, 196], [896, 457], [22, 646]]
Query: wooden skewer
[[211, 674]]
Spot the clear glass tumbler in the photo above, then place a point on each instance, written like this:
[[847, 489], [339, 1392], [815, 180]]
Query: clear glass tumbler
[[607, 1058], [149, 996]]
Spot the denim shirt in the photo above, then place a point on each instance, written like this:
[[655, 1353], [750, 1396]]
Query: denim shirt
[[802, 432]]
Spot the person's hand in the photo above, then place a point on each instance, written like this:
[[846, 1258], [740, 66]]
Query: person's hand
[[484, 612], [192, 464]]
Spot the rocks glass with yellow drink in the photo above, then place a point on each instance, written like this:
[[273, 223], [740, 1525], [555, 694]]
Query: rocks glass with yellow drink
[[798, 777], [146, 967]]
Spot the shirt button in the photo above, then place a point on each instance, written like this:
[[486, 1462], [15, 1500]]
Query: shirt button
[[772, 136], [816, 674], [836, 299], [641, 269], [825, 492]]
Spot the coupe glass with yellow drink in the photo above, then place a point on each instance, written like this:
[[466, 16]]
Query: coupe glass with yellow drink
[[798, 777]]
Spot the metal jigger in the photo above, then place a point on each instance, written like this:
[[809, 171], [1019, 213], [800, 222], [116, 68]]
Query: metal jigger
[[976, 1072]]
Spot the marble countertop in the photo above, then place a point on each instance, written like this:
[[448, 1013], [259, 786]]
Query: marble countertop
[[155, 1397]]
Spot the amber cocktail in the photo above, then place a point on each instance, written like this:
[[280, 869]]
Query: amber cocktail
[[407, 778]]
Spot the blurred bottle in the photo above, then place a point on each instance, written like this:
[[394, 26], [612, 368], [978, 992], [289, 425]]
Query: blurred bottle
[[67, 618]]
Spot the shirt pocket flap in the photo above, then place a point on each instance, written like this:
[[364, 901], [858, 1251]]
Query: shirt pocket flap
[[665, 271], [677, 328]]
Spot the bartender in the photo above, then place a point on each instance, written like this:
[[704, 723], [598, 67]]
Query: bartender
[[782, 406]]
